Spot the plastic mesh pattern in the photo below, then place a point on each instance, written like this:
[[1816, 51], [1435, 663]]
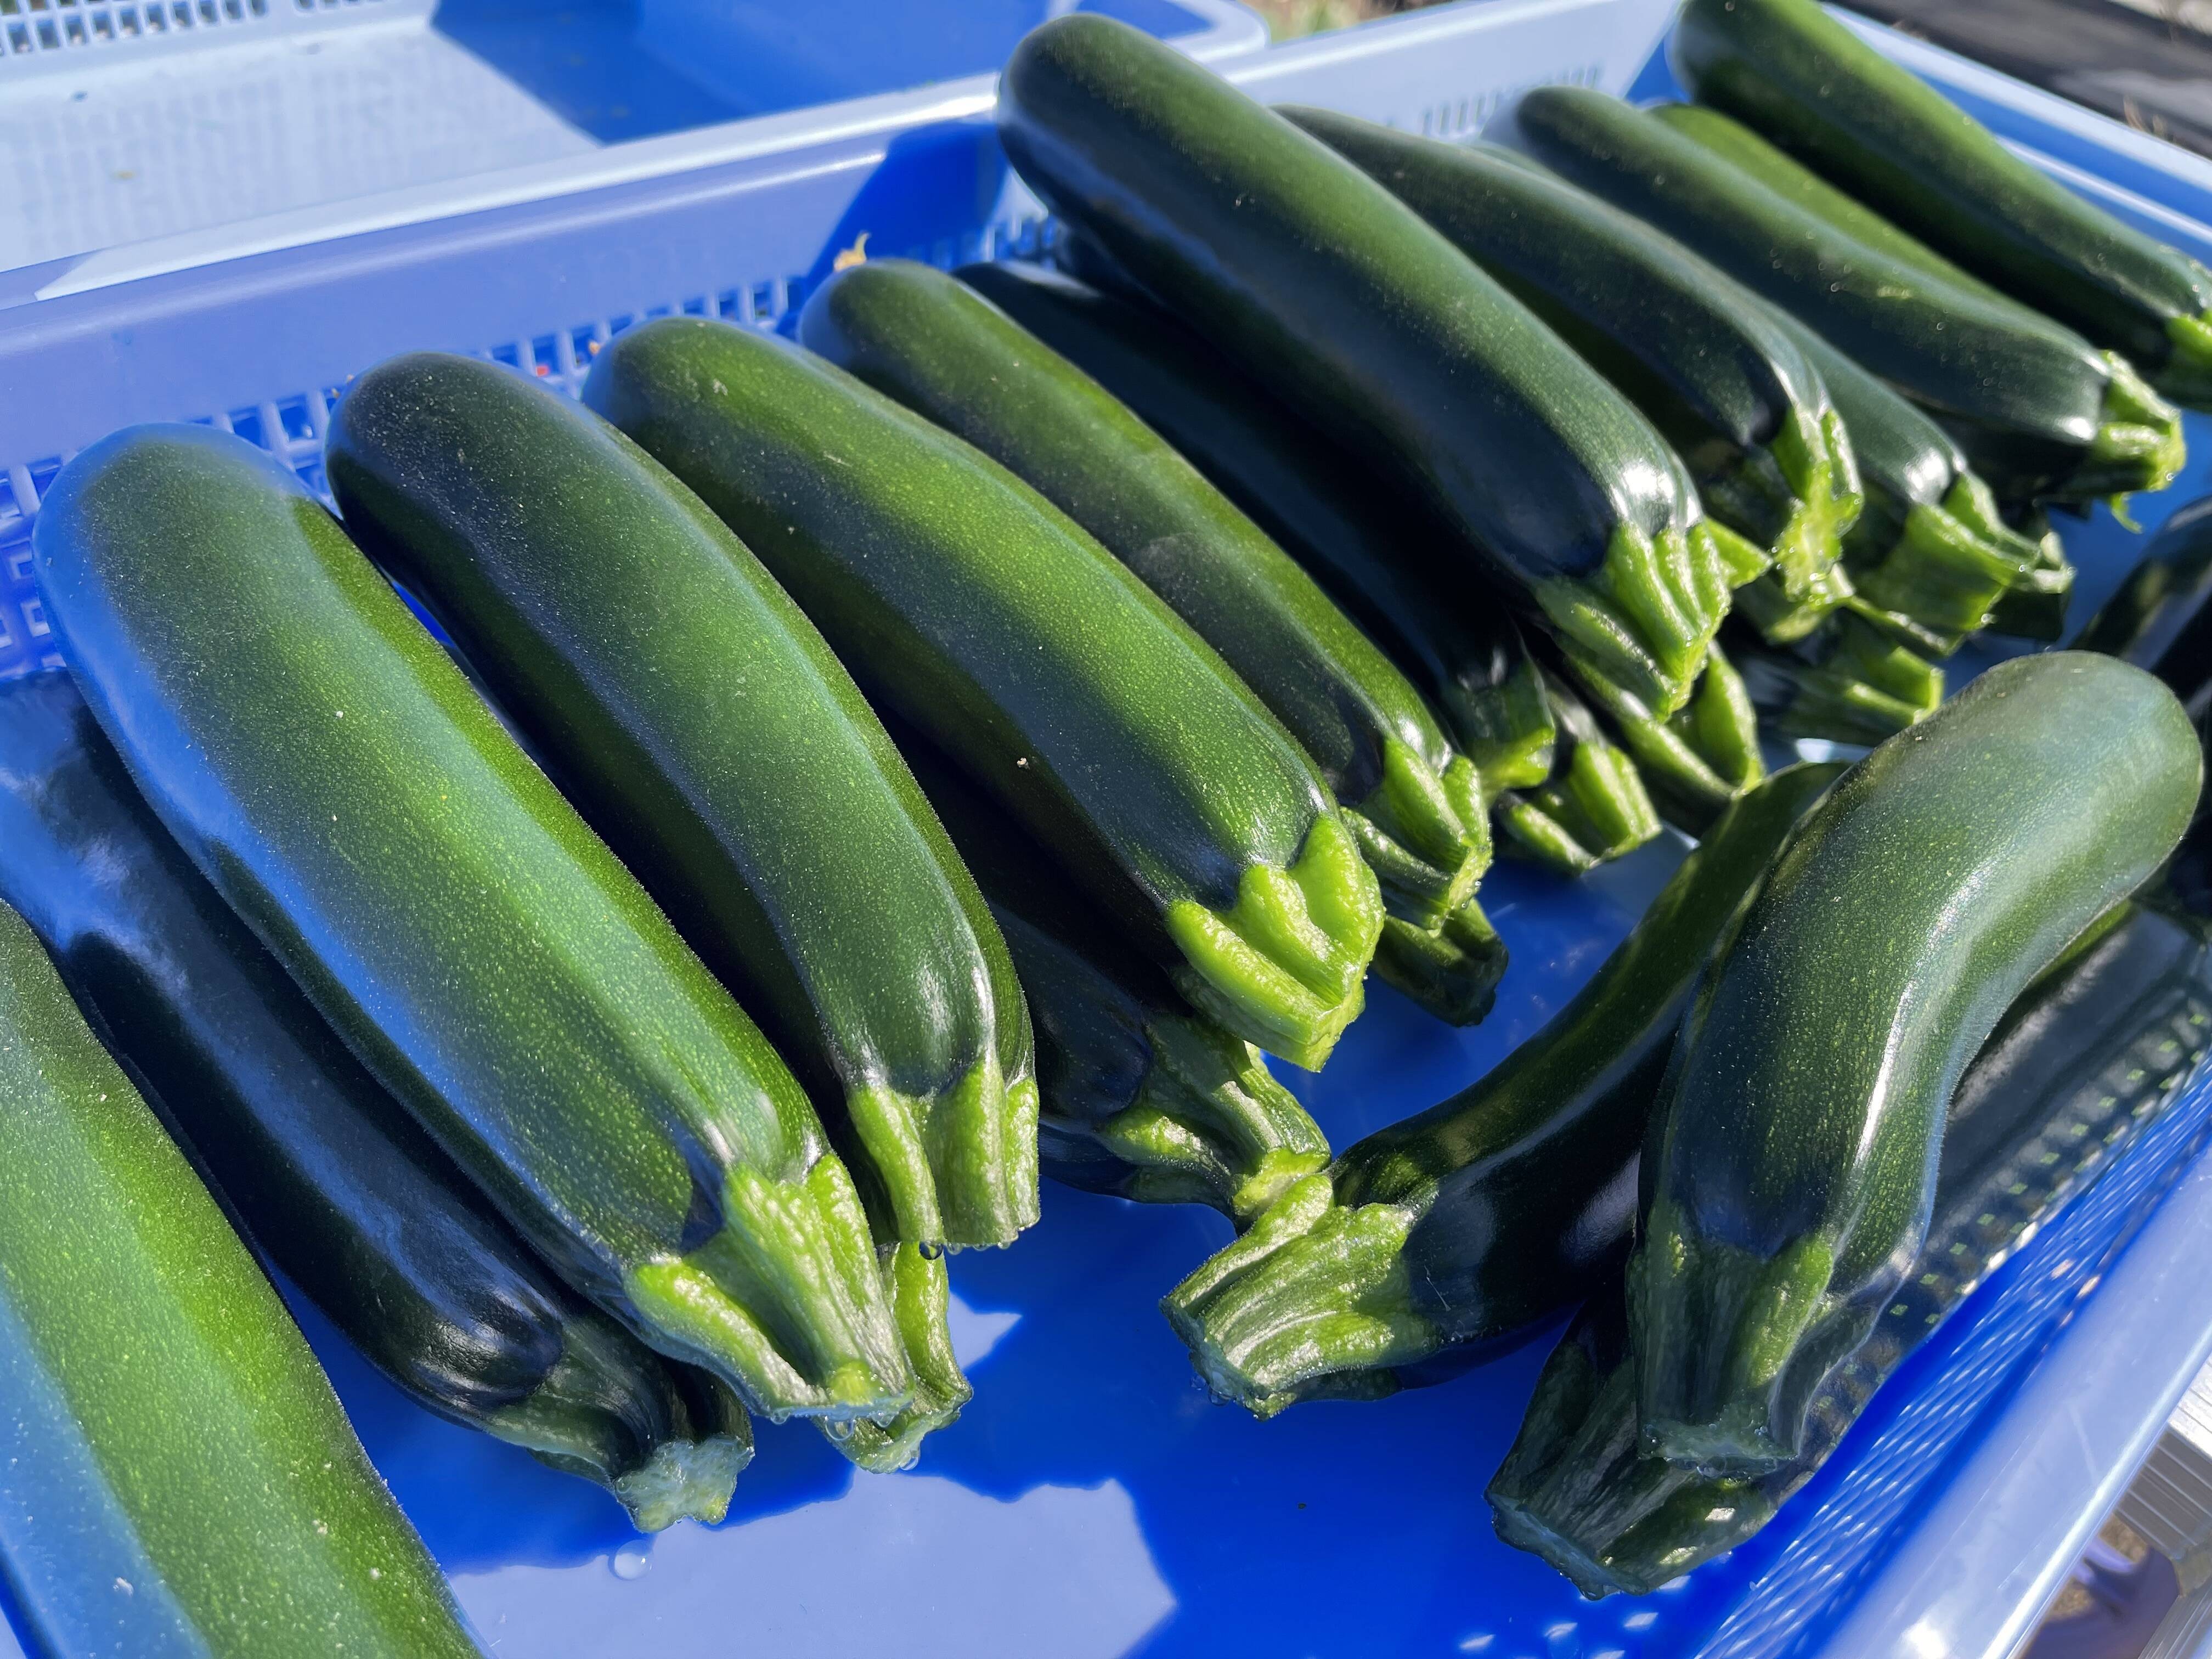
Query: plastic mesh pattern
[[31, 29]]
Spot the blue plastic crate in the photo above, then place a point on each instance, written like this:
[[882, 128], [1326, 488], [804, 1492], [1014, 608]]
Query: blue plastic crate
[[1092, 1502]]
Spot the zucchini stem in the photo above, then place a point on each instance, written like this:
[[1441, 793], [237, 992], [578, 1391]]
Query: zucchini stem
[[1730, 1343], [1426, 836], [1642, 620], [2138, 446], [920, 1296], [1597, 809], [958, 1168], [1451, 971], [2035, 608], [2186, 376], [1284, 966], [1820, 482], [1951, 565], [1315, 1289], [784, 1302], [665, 1459], [1210, 1124], [1698, 761], [1855, 684]]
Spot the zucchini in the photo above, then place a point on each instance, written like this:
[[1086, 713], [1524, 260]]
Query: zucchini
[[1339, 300], [1702, 757], [1901, 147], [1144, 1096], [1414, 806], [1732, 393], [181, 1480], [1364, 547], [2086, 1059], [2039, 410], [696, 718], [1851, 683], [1797, 1140], [2160, 618], [327, 768], [1509, 1200], [323, 1172], [987, 618]]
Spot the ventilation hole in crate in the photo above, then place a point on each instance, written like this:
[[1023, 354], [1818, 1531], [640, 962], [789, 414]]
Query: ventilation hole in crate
[[34, 619], [19, 37], [246, 423], [510, 355], [544, 353], [586, 342], [49, 36], [297, 417], [729, 305], [126, 19], [700, 307], [73, 29], [763, 303], [103, 26]]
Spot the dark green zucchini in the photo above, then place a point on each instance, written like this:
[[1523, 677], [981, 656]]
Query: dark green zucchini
[[327, 768], [181, 1481], [1931, 557], [1908, 152], [2091, 1056], [1732, 393], [1508, 1200], [1849, 683], [1338, 299], [986, 616], [1371, 550], [918, 336], [1795, 1147], [2039, 410], [696, 718], [2160, 618], [325, 1173], [1144, 1096]]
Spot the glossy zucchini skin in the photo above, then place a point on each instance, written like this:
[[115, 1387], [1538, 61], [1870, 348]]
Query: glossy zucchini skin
[[696, 718], [921, 337], [323, 1172], [2086, 1059], [1803, 1111], [2160, 618], [1338, 299], [1373, 551], [979, 612], [181, 1480], [1144, 1096], [2039, 410], [1732, 394], [1901, 147], [328, 769], [1500, 1204]]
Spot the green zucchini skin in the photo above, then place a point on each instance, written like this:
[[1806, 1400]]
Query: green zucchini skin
[[323, 1172], [1338, 298], [180, 1478], [1803, 1109], [975, 609], [1901, 147], [929, 341], [328, 768], [696, 718], [1370, 550], [2039, 410], [1500, 1204], [2092, 1055], [1732, 393], [2160, 619], [1144, 1096]]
